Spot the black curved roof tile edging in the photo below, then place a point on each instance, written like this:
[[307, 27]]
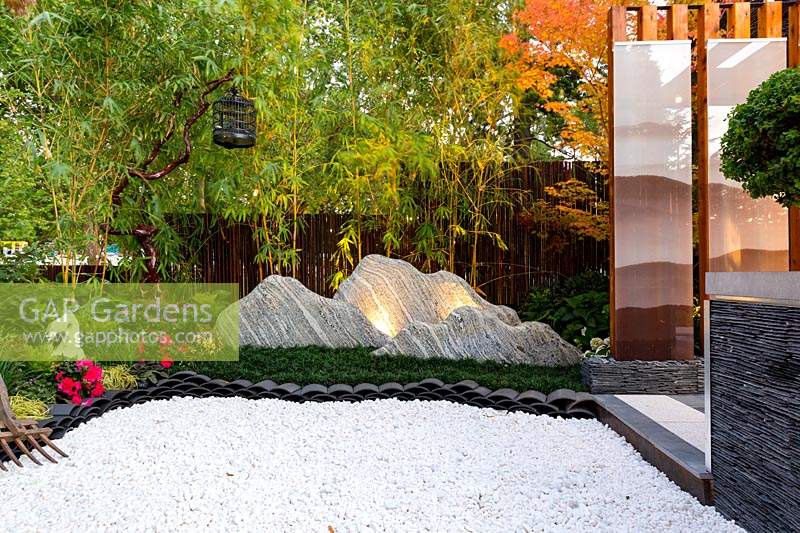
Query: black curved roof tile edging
[[561, 403]]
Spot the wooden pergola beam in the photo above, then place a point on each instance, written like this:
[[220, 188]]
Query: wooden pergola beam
[[708, 18], [794, 61], [647, 27], [617, 32], [769, 20], [678, 22], [739, 20]]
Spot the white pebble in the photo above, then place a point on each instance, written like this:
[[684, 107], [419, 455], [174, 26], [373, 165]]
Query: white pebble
[[217, 464]]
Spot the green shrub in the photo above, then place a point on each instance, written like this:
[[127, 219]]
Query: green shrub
[[12, 373], [761, 148], [22, 267], [576, 307], [33, 380]]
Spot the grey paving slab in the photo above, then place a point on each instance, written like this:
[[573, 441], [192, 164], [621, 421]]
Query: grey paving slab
[[695, 401], [689, 455]]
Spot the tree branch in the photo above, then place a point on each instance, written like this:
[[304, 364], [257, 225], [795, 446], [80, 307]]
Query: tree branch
[[145, 233], [187, 143]]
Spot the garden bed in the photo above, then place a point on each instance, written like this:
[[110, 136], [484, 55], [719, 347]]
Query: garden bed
[[305, 366], [233, 463], [328, 366]]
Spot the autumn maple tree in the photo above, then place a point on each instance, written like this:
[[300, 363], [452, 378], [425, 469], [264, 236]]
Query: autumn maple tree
[[555, 41], [554, 36]]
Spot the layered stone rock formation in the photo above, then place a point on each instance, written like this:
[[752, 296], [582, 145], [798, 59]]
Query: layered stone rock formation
[[282, 313], [392, 294], [389, 304], [473, 333]]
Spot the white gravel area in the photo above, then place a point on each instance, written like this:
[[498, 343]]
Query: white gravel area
[[231, 464]]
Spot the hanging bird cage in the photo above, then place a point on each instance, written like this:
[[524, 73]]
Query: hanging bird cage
[[234, 121]]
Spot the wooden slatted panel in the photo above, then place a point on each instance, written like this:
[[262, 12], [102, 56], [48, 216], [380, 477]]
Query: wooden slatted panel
[[647, 28], [739, 20], [678, 22], [794, 61], [769, 19]]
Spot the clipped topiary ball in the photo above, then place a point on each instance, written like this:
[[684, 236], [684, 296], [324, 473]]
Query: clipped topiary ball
[[761, 148]]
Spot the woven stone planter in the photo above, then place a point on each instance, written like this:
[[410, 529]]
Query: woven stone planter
[[609, 376]]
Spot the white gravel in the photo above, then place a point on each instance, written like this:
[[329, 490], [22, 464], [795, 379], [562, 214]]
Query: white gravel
[[231, 464]]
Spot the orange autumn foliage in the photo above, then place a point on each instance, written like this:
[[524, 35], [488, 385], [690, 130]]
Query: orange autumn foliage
[[570, 208], [19, 7], [572, 34]]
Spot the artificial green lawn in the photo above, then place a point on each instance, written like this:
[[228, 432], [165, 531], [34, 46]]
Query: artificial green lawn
[[352, 366]]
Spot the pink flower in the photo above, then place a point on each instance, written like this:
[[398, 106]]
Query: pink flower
[[166, 363], [87, 402], [59, 376], [76, 399], [69, 386], [83, 364], [98, 390], [93, 374]]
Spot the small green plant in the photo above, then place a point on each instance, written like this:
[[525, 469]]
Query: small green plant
[[12, 373], [598, 347], [761, 148], [582, 317], [25, 407], [119, 377], [150, 372], [33, 380], [577, 308]]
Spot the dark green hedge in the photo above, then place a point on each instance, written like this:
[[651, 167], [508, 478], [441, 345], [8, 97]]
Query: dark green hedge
[[352, 366]]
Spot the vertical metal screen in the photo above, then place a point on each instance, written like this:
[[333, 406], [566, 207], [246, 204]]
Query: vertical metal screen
[[652, 200], [744, 235]]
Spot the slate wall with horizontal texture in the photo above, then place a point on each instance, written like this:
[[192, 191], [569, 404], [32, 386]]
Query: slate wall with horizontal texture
[[755, 413], [609, 376]]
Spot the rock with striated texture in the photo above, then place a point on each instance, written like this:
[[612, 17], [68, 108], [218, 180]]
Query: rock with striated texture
[[472, 333], [392, 294], [282, 313], [388, 303]]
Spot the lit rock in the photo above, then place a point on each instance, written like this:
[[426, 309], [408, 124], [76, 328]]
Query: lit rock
[[392, 294], [281, 313], [472, 333]]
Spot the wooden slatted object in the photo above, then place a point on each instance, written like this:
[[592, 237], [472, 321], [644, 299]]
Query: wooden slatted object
[[616, 33], [21, 434], [794, 61], [707, 28], [716, 20]]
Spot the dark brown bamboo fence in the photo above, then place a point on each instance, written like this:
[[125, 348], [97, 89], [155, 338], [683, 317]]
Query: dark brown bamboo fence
[[504, 277]]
